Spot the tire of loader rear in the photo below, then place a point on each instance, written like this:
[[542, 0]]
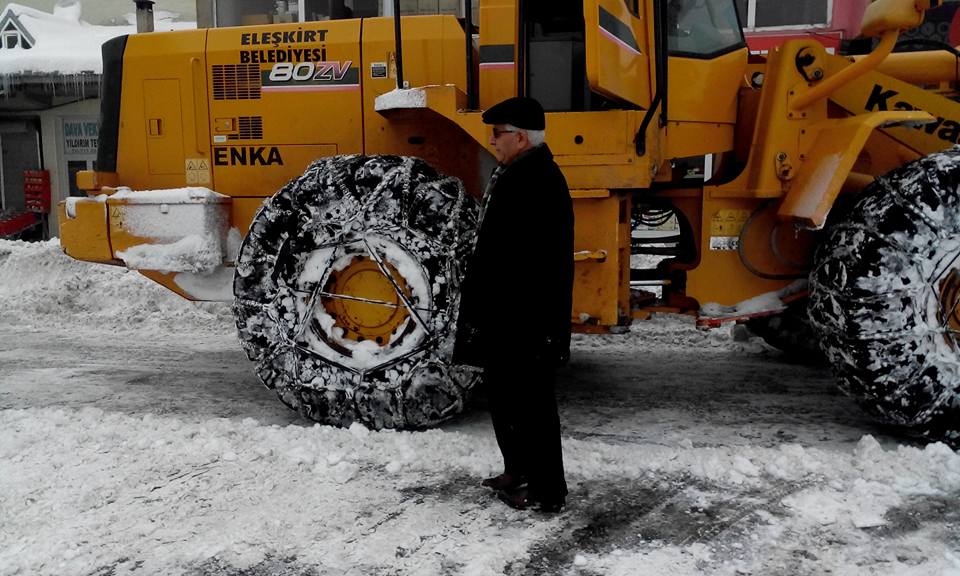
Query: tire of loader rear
[[343, 202], [878, 300]]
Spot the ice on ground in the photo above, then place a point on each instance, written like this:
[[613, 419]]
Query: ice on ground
[[170, 494]]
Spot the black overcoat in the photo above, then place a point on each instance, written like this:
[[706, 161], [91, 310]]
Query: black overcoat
[[516, 298]]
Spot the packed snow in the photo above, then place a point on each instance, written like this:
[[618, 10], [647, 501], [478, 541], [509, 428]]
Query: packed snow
[[187, 230], [193, 253], [137, 440], [399, 98]]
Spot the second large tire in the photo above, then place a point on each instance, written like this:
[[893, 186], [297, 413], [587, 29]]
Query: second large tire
[[884, 297], [347, 287]]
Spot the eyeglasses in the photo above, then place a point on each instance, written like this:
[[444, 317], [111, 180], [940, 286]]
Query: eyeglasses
[[498, 133]]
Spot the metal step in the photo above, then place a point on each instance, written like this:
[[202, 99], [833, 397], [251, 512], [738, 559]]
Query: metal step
[[647, 275], [673, 239], [657, 251]]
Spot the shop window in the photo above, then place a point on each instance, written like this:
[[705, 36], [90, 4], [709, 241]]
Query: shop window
[[760, 14]]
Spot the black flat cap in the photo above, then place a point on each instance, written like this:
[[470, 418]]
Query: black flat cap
[[525, 113]]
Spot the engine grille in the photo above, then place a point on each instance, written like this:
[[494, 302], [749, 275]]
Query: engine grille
[[236, 81], [248, 128]]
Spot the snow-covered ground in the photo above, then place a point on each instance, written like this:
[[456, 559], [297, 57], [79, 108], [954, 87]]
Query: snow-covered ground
[[136, 440]]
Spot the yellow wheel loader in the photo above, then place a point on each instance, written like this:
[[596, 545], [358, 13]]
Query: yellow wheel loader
[[323, 177]]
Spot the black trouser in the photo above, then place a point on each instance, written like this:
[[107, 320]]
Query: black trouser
[[523, 407]]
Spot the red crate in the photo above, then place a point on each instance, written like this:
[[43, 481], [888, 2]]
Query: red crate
[[36, 190], [14, 223]]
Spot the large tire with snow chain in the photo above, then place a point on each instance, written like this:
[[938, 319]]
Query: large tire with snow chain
[[885, 290], [347, 287]]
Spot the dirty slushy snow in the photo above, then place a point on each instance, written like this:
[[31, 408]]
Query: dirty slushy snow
[[137, 441]]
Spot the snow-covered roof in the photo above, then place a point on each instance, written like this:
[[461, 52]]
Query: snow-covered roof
[[63, 43], [10, 23]]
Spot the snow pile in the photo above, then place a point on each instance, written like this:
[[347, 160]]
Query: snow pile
[[64, 43], [188, 195], [40, 285], [399, 98], [669, 332], [185, 492], [192, 253], [68, 10], [161, 495], [188, 229]]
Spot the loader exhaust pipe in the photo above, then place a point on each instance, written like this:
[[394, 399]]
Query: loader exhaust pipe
[[396, 32], [521, 48], [468, 32], [144, 15]]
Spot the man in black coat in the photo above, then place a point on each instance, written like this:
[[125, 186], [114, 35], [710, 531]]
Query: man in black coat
[[516, 300]]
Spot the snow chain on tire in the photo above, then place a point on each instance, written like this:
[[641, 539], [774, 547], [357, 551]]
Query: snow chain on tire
[[411, 228], [884, 296]]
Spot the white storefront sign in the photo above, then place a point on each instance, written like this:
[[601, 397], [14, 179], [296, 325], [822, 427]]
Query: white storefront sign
[[80, 137]]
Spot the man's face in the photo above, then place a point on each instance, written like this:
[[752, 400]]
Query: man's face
[[507, 143]]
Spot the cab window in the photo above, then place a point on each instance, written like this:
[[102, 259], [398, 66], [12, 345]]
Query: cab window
[[703, 28]]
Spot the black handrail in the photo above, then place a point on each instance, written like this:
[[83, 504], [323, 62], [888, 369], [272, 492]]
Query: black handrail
[[663, 68], [662, 50], [396, 32], [521, 49], [468, 30]]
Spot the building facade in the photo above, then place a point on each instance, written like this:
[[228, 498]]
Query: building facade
[[50, 67], [222, 13], [771, 22]]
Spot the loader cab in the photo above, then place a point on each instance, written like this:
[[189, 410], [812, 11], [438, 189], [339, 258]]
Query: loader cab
[[560, 61], [703, 29], [228, 13], [707, 61], [577, 55], [555, 62]]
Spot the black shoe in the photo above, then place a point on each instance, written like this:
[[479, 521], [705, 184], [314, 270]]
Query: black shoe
[[552, 507], [504, 482], [523, 498]]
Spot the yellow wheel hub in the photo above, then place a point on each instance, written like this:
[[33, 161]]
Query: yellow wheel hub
[[950, 306], [364, 302]]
